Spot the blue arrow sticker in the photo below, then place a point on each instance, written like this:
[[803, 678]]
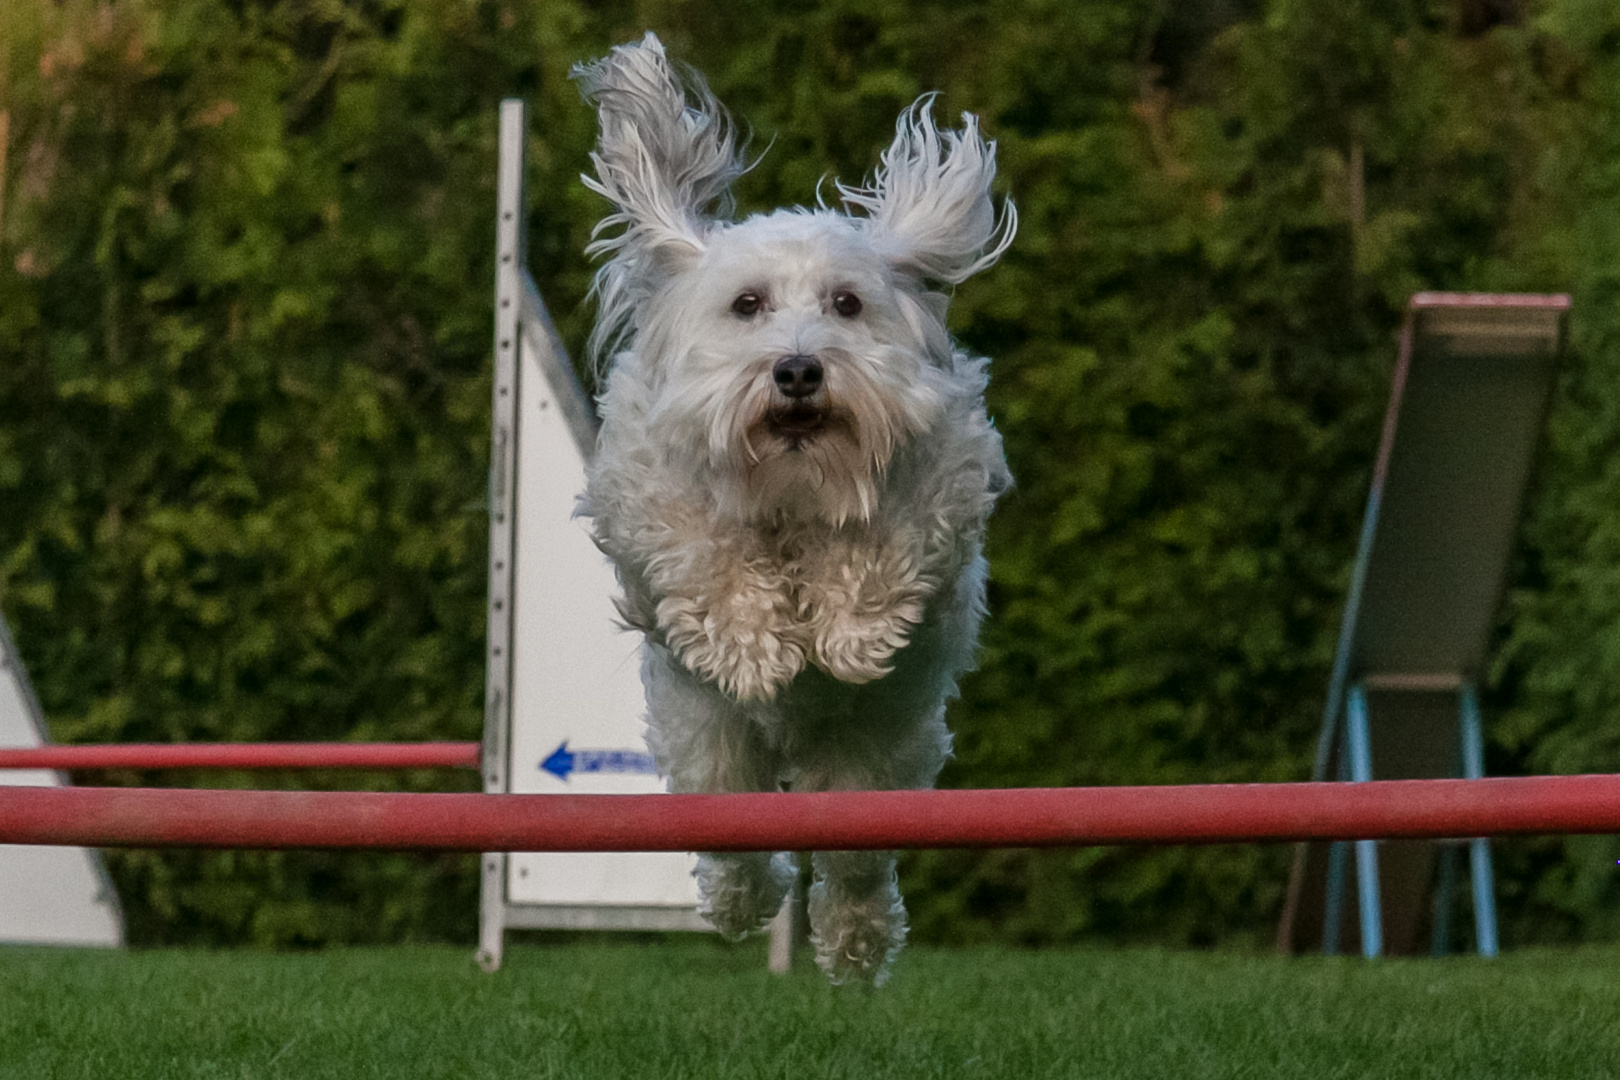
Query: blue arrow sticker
[[563, 761]]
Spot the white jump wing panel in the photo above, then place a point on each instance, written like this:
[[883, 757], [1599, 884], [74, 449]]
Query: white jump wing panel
[[48, 895], [577, 703]]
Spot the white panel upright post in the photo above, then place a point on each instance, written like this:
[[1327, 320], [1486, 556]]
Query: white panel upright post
[[564, 710], [502, 520]]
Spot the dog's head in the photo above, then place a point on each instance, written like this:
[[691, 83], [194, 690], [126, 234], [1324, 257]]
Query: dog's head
[[789, 355]]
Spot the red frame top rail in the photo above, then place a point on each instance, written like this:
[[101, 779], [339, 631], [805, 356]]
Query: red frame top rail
[[1014, 817], [324, 755]]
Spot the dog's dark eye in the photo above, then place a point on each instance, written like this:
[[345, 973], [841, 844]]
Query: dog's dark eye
[[846, 304], [747, 304]]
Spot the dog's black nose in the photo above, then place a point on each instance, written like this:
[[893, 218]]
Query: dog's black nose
[[797, 376]]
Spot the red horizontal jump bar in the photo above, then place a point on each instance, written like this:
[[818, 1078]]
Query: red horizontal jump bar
[[324, 755], [1013, 817]]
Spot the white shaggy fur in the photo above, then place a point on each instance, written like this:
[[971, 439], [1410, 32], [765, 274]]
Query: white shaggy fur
[[794, 472]]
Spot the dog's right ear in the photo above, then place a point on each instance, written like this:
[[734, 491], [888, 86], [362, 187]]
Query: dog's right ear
[[664, 162], [661, 160]]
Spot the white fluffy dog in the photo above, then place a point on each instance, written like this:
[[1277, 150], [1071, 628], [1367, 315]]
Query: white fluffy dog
[[793, 475]]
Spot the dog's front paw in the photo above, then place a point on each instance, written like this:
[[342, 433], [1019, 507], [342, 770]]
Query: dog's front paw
[[864, 614], [743, 643], [856, 648]]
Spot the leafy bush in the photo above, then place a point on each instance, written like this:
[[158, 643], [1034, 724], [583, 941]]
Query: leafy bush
[[245, 264]]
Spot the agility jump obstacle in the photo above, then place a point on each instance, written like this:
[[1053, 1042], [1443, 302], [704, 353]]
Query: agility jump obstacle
[[847, 820]]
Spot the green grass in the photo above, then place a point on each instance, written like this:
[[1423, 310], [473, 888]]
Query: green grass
[[693, 1008]]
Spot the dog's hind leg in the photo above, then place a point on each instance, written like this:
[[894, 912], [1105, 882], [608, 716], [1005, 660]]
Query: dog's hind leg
[[741, 891], [705, 743], [857, 919]]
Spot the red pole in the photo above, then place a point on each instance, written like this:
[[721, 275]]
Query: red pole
[[327, 755], [1016, 817]]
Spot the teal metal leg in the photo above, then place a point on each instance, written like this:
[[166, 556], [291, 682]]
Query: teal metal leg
[[1333, 906], [1445, 894], [1358, 742], [1338, 857], [1445, 887], [1479, 848]]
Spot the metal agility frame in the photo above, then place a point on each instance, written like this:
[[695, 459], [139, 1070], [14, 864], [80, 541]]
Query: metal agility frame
[[1467, 405]]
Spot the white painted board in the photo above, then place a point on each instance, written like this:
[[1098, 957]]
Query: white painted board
[[48, 895], [577, 703]]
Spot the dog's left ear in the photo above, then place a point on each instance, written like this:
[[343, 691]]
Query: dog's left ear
[[929, 208]]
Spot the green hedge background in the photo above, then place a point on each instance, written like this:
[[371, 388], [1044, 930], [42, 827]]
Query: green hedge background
[[245, 276]]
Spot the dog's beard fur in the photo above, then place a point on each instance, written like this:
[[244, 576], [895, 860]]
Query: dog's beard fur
[[762, 468]]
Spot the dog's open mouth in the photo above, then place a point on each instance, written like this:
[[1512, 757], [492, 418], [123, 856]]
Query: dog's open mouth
[[798, 420]]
